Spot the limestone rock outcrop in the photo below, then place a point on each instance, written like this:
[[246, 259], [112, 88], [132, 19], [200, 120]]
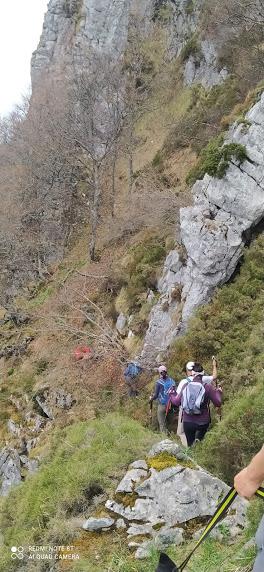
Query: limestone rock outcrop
[[205, 70], [73, 28], [213, 232], [10, 473], [166, 499]]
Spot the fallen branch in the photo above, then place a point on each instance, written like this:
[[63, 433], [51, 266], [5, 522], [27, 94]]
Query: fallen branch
[[91, 275]]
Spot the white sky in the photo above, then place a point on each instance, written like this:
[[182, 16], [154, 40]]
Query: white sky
[[20, 28]]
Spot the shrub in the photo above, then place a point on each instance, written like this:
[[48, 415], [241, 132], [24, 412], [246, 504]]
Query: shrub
[[189, 8], [215, 158], [162, 11], [157, 162], [139, 268], [41, 365], [191, 48], [203, 118]]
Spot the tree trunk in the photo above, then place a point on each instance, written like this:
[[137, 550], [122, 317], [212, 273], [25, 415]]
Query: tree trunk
[[130, 162], [94, 210], [113, 190]]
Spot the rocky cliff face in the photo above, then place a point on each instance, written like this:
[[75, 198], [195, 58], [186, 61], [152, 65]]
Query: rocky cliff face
[[213, 231], [73, 28]]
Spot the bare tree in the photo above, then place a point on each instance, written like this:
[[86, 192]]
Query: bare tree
[[142, 66], [96, 119], [68, 134]]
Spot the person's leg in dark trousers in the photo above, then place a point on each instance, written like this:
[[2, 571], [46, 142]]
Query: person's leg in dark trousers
[[190, 432], [194, 431], [201, 431]]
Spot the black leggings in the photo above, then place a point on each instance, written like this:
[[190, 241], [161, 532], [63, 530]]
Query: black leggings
[[194, 431]]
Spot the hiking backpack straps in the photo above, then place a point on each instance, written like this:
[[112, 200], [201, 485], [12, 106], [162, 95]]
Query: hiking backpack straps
[[167, 565], [193, 394]]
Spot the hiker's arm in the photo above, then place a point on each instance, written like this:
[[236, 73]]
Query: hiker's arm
[[179, 388], [215, 395], [249, 479]]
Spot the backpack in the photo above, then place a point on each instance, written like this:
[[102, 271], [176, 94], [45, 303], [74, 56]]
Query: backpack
[[164, 394], [132, 370], [193, 395]]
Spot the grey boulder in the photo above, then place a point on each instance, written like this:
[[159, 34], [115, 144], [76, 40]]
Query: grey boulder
[[141, 464], [132, 476], [10, 473], [97, 524]]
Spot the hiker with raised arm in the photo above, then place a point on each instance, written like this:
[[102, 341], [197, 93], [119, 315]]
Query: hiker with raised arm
[[206, 379], [161, 392], [246, 483], [194, 399]]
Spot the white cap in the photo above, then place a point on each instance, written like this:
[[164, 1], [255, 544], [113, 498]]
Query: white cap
[[162, 368], [189, 365]]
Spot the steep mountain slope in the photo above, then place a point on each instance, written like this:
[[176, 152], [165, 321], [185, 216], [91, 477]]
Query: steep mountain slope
[[50, 186], [194, 89]]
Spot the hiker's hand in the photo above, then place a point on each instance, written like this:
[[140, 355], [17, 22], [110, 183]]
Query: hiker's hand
[[219, 388], [214, 360], [172, 391], [245, 486]]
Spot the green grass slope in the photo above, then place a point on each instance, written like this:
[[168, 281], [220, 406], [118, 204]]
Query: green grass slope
[[83, 458]]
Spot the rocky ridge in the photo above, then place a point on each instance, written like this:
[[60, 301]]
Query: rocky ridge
[[213, 233]]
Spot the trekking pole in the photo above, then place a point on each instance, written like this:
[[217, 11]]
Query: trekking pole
[[150, 410], [167, 565], [216, 385]]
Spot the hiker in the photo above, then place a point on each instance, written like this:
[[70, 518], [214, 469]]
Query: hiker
[[132, 371], [206, 379], [161, 393], [246, 483], [194, 399]]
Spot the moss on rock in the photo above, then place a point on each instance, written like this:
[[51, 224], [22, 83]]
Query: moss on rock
[[165, 460]]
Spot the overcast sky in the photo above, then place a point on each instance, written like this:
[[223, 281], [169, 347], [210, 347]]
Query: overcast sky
[[20, 28]]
